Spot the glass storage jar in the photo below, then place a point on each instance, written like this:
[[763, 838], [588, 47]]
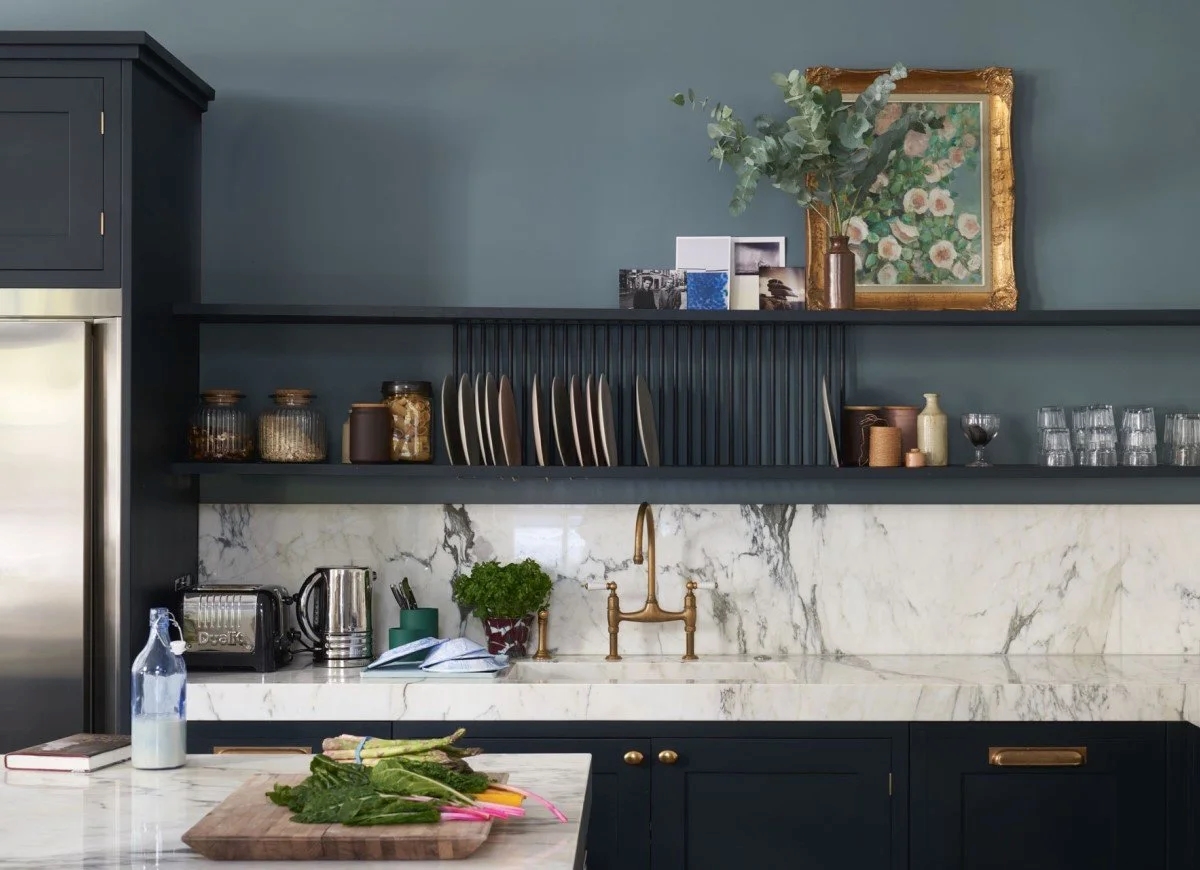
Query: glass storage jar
[[412, 419], [292, 431], [219, 430]]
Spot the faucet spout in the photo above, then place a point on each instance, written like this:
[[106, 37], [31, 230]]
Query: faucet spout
[[645, 520]]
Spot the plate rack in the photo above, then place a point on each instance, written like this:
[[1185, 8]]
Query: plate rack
[[724, 394]]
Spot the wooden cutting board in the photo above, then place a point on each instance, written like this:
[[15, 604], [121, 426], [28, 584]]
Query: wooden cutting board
[[246, 826]]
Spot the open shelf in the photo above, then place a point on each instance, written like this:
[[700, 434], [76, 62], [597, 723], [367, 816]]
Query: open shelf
[[798, 473], [218, 313]]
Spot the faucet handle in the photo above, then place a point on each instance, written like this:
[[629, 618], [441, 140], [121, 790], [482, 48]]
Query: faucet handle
[[601, 587], [706, 584]]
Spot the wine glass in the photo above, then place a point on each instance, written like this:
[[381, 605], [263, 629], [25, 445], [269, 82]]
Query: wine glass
[[980, 429]]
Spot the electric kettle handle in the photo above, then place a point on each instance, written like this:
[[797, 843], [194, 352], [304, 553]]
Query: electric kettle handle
[[302, 618]]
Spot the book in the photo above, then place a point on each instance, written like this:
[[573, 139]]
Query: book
[[81, 753]]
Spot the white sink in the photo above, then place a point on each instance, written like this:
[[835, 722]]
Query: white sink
[[641, 670]]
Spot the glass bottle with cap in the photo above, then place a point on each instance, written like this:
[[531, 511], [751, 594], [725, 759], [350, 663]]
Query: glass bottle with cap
[[159, 698]]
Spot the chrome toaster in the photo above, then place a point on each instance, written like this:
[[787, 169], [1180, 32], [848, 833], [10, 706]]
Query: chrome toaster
[[236, 628]]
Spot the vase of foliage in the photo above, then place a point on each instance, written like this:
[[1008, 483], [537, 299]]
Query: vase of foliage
[[826, 156], [505, 598]]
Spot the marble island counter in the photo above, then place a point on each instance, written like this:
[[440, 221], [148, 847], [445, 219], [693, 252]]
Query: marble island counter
[[121, 817], [731, 688]]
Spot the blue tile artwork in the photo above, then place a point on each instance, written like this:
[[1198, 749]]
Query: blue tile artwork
[[708, 291]]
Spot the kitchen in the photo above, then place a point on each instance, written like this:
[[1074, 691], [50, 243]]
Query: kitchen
[[236, 217]]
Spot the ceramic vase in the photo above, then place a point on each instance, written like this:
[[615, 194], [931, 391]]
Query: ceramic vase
[[508, 637], [932, 436], [841, 274]]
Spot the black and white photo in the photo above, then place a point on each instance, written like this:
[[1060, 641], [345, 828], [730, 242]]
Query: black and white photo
[[661, 289], [752, 254], [781, 289]]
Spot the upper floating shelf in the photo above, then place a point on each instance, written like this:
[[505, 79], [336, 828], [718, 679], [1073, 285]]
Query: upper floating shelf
[[386, 314]]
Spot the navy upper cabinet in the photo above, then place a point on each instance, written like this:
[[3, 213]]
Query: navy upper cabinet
[[72, 104], [60, 173], [1039, 796]]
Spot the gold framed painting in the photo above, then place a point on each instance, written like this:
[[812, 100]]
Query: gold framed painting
[[935, 231]]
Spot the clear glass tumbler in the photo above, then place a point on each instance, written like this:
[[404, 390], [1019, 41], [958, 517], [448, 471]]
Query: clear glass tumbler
[[1055, 449]]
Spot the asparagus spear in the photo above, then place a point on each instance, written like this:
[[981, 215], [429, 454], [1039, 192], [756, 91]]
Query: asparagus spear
[[377, 747]]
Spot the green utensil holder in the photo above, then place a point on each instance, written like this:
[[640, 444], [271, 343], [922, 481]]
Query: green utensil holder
[[421, 619]]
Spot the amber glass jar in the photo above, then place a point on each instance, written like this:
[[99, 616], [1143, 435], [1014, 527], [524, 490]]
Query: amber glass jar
[[412, 419], [292, 431], [219, 430]]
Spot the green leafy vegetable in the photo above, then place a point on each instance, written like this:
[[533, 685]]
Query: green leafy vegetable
[[468, 782], [342, 794], [506, 591], [395, 778]]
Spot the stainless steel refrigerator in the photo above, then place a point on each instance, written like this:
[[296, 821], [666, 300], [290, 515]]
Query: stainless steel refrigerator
[[60, 505]]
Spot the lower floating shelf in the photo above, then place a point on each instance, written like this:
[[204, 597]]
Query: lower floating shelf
[[712, 473]]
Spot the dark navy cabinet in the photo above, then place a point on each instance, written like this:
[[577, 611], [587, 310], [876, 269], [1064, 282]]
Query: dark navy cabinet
[[1051, 796]]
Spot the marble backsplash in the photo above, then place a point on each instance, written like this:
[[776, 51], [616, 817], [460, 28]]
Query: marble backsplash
[[789, 579]]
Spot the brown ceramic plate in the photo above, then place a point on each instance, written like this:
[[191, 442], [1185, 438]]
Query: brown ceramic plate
[[510, 428], [468, 424], [491, 413], [591, 400], [560, 413], [647, 428], [580, 426], [481, 427]]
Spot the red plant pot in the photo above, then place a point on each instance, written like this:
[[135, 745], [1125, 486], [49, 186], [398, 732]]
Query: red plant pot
[[508, 636]]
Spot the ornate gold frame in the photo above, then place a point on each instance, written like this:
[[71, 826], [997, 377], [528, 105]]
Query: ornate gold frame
[[997, 84]]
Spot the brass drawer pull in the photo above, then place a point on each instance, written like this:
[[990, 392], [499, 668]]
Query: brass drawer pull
[[261, 750], [1037, 756], [668, 756], [634, 757]]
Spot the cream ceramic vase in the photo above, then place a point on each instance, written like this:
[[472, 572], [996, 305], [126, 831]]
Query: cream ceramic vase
[[932, 437]]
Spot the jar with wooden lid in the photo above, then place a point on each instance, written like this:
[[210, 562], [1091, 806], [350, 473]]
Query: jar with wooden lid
[[219, 430], [412, 419], [293, 430]]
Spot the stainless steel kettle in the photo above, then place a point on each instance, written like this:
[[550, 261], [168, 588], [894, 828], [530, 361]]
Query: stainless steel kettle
[[333, 610]]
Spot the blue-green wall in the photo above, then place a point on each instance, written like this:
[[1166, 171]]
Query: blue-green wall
[[520, 151]]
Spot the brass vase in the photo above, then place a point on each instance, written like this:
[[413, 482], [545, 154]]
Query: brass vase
[[841, 274]]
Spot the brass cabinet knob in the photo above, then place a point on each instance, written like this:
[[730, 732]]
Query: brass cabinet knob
[[634, 757], [668, 756]]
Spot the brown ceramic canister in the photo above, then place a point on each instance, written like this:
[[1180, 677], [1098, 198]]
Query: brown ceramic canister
[[914, 458], [857, 421], [885, 447], [904, 418], [370, 433]]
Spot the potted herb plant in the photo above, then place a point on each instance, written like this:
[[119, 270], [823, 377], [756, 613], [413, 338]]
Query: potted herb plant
[[505, 597], [827, 156]]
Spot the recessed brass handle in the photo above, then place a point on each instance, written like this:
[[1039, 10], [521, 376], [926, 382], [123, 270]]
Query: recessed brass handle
[[634, 757], [668, 756], [1037, 756], [261, 750]]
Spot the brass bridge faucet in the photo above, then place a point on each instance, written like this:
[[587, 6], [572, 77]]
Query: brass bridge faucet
[[650, 611]]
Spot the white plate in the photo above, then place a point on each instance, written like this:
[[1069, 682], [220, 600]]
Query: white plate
[[491, 414], [536, 403], [481, 426], [560, 417], [608, 423], [467, 422], [580, 427], [451, 433]]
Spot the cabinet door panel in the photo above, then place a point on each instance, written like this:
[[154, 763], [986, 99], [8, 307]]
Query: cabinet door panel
[[772, 803], [1109, 812], [52, 173]]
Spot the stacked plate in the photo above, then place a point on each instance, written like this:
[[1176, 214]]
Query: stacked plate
[[481, 425]]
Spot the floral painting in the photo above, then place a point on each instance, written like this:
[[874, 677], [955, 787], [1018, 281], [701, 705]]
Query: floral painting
[[922, 221]]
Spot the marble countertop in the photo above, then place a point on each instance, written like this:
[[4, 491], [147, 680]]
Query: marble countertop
[[731, 688], [121, 817]]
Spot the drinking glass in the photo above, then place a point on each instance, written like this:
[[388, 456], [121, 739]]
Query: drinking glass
[[1051, 417], [980, 429], [1056, 448], [1093, 416], [1099, 447], [1185, 449], [1170, 426], [1138, 419]]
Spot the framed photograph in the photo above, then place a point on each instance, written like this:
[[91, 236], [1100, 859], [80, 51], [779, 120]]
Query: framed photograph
[[708, 291], [935, 231], [750, 254], [781, 288], [662, 289]]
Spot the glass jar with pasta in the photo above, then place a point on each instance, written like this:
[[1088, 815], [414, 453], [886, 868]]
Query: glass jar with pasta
[[412, 419]]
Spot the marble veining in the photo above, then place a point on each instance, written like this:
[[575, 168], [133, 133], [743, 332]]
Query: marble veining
[[120, 817], [787, 579], [733, 688]]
